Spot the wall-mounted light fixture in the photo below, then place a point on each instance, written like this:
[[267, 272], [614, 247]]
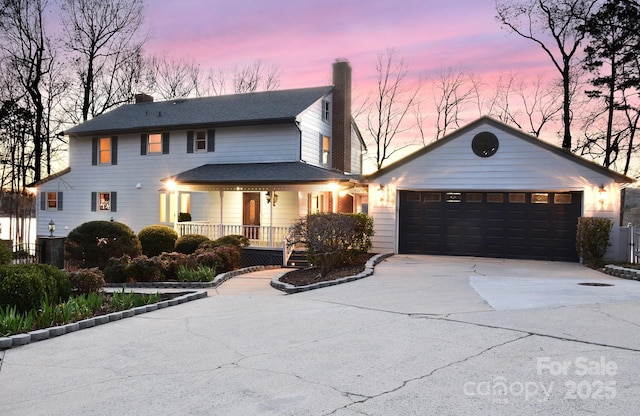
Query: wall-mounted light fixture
[[382, 194], [52, 227], [602, 195], [272, 198]]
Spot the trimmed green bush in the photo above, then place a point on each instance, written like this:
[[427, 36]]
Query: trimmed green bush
[[144, 269], [170, 263], [592, 238], [157, 239], [85, 281], [232, 240], [5, 255], [115, 270], [93, 243], [188, 244], [27, 286]]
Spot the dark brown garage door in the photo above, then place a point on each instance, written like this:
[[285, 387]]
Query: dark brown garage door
[[519, 225]]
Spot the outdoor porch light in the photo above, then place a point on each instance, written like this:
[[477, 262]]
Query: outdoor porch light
[[52, 228], [382, 193], [602, 195], [269, 198]]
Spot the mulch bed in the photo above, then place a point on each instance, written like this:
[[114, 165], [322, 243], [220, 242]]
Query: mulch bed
[[303, 277]]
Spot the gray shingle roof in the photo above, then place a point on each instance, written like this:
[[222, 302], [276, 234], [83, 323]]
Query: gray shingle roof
[[260, 173], [224, 110]]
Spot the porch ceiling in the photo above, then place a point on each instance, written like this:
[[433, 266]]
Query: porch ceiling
[[260, 173]]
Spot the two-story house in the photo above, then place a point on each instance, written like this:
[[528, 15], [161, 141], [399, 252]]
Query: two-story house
[[238, 164]]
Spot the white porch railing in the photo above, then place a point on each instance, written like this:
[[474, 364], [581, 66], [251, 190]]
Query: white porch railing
[[259, 236]]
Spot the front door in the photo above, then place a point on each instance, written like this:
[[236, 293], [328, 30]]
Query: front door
[[251, 215]]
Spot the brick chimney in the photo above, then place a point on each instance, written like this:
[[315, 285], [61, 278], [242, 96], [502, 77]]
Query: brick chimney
[[143, 98], [341, 116]]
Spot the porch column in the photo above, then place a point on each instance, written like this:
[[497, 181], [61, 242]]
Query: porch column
[[221, 225], [271, 205]]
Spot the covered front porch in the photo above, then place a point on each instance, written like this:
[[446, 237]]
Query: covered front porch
[[259, 201]]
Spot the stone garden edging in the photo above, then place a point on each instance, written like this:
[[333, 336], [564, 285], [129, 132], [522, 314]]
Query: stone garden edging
[[622, 272], [368, 271], [219, 279], [42, 334]]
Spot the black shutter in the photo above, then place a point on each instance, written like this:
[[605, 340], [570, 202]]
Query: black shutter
[[94, 200], [165, 143], [43, 201], [114, 150], [94, 151], [144, 138], [59, 201], [190, 142], [211, 140], [114, 200]]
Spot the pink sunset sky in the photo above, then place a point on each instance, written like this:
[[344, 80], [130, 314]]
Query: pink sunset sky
[[304, 37]]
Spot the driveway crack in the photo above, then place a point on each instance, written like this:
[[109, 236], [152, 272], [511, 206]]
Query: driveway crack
[[432, 372]]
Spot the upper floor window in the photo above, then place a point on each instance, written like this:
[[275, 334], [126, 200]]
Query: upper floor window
[[201, 141], [104, 151], [326, 110], [325, 145], [154, 144]]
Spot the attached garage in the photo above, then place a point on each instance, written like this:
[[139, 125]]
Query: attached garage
[[519, 225], [489, 190]]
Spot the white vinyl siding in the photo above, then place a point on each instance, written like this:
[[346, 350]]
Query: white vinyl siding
[[518, 165], [311, 126]]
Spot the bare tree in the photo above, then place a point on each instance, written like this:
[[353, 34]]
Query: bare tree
[[555, 25], [105, 39], [454, 91], [171, 79], [29, 58], [256, 76], [388, 109]]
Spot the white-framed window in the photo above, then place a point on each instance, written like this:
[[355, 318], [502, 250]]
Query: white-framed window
[[169, 210], [325, 148], [155, 143], [326, 110], [103, 201], [51, 201], [104, 151], [201, 141]]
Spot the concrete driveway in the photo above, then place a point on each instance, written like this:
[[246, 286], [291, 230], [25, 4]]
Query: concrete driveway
[[423, 335]]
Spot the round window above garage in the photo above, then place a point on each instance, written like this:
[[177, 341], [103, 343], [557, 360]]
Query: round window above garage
[[485, 144]]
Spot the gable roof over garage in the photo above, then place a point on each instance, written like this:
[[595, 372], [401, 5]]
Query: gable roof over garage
[[518, 154]]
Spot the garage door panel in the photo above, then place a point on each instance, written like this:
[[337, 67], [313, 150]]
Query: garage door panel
[[490, 224]]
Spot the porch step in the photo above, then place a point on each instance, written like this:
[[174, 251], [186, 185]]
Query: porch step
[[298, 259]]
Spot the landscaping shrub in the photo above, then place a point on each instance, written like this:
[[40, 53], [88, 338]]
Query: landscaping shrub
[[27, 286], [592, 238], [188, 244], [198, 274], [157, 239], [93, 243], [331, 239], [232, 240], [85, 281], [144, 269], [115, 270], [170, 263], [5, 255]]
